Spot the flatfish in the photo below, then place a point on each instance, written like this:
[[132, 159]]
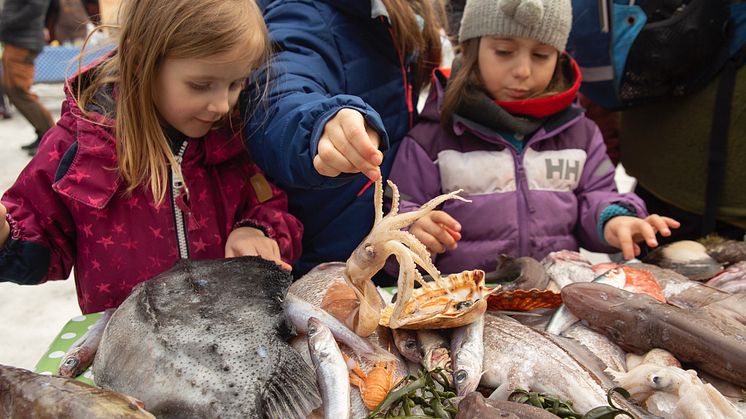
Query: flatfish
[[208, 339]]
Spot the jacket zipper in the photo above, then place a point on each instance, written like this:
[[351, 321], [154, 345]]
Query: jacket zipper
[[176, 189]]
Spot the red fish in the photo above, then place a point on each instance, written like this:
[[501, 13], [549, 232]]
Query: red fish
[[636, 280]]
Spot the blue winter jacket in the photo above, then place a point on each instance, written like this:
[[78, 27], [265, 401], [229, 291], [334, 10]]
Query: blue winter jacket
[[330, 55]]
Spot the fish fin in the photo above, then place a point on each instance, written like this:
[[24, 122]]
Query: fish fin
[[615, 375], [291, 392]]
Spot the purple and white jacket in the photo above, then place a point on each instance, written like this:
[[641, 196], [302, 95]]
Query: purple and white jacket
[[546, 198]]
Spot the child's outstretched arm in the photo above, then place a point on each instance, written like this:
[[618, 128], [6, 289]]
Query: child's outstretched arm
[[250, 241], [5, 227], [438, 231], [624, 232]]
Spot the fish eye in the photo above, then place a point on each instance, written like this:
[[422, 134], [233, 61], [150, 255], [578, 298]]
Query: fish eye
[[460, 376], [70, 362], [411, 344], [312, 330]]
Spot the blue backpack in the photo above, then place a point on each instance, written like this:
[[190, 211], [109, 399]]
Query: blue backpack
[[634, 52]]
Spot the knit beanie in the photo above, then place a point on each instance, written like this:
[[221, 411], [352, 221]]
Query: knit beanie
[[547, 21]]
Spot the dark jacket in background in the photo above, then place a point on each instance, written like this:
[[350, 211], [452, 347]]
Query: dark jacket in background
[[331, 55], [22, 23]]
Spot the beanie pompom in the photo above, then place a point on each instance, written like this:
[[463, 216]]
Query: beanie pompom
[[547, 21], [529, 13], [509, 6], [526, 12]]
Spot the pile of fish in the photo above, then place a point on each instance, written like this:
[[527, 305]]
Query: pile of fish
[[234, 337]]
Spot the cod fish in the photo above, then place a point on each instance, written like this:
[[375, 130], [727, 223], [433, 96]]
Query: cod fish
[[518, 356], [208, 339], [331, 370], [24, 394], [638, 323]]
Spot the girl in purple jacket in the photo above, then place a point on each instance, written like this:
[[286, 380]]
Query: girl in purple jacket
[[145, 165], [502, 127]]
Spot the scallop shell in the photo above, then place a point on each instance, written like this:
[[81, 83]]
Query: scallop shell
[[523, 300], [432, 307]]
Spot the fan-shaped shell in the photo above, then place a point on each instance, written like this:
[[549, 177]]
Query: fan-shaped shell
[[432, 307]]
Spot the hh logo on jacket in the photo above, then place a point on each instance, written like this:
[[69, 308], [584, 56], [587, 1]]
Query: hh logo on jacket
[[485, 172]]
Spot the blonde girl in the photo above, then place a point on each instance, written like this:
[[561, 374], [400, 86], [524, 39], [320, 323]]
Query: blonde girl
[[147, 164]]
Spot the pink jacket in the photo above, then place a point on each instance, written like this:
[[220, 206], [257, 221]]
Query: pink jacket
[[69, 208]]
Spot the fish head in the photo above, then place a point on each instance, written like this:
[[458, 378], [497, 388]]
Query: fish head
[[599, 304], [69, 366], [314, 327], [466, 380]]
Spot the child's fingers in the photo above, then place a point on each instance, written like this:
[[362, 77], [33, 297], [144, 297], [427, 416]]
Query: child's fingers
[[626, 243], [445, 220], [648, 233]]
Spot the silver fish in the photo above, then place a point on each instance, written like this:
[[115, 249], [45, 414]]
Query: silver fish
[[331, 370], [299, 311], [406, 342], [81, 353], [563, 318], [208, 339], [467, 349], [565, 267], [518, 356], [607, 351], [436, 352]]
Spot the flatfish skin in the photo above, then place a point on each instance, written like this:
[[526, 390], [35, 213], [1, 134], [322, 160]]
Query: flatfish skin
[[207, 339]]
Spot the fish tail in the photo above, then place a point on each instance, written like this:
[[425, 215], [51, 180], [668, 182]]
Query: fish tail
[[291, 392]]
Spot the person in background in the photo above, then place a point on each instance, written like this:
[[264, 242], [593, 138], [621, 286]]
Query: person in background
[[67, 23], [147, 164], [682, 127], [502, 127], [345, 81], [22, 33]]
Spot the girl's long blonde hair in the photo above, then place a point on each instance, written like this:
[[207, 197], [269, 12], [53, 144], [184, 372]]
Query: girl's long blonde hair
[[410, 38], [150, 32]]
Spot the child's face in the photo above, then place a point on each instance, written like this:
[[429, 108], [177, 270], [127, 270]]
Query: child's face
[[515, 68], [192, 94]]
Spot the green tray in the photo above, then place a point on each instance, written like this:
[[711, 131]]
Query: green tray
[[70, 333]]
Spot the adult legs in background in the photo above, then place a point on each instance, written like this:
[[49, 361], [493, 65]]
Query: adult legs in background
[[18, 76]]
